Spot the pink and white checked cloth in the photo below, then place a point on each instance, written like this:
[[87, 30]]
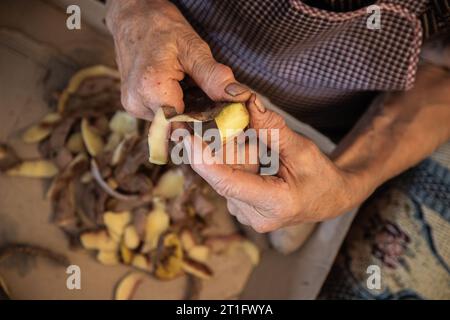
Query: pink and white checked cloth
[[319, 65]]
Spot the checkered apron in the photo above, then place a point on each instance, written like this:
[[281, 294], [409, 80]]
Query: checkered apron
[[321, 66]]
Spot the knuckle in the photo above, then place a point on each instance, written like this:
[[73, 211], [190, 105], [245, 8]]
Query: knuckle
[[231, 208], [131, 103], [224, 71], [260, 228], [193, 44], [223, 187], [310, 147], [273, 121]]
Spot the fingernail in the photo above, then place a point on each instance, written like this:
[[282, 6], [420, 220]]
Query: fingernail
[[234, 89], [169, 111], [259, 106]]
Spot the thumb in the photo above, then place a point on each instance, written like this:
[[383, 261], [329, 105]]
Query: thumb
[[227, 181], [215, 79]]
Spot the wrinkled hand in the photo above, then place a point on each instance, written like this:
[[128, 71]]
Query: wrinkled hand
[[155, 48], [308, 187]]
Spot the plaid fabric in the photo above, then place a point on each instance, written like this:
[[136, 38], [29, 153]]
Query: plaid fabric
[[435, 18], [321, 66]]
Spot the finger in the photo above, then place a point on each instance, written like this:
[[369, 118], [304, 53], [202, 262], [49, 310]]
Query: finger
[[215, 79], [275, 129], [230, 182], [133, 104], [158, 84], [244, 156], [153, 83], [235, 211], [254, 217]]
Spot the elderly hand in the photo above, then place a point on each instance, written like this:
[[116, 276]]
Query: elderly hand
[[308, 187], [155, 47]]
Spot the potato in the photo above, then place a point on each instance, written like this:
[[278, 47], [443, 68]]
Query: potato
[[98, 240], [116, 222], [170, 185], [108, 258], [232, 120]]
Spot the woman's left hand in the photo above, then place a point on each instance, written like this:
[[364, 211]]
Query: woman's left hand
[[308, 186]]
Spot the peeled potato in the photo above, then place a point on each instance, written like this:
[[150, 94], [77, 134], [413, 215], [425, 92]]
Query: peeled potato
[[157, 222], [116, 222], [108, 258], [131, 237], [98, 240], [232, 120], [126, 254], [197, 269], [34, 169]]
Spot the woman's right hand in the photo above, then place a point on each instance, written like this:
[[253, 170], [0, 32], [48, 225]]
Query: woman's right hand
[[155, 48]]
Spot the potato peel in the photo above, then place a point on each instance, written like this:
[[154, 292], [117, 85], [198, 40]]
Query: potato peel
[[170, 258], [131, 237], [197, 269], [34, 169], [126, 254], [8, 157], [158, 138], [105, 186], [41, 130], [92, 141], [232, 120], [79, 77], [128, 285]]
